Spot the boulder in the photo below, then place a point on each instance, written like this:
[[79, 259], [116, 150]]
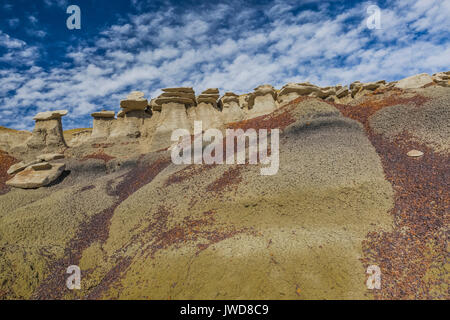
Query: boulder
[[49, 115], [414, 82], [102, 125], [32, 178], [134, 101]]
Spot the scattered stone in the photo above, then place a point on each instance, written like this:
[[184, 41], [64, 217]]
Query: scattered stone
[[31, 178], [134, 101], [415, 153], [49, 115]]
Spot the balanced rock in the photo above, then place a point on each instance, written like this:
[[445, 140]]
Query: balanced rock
[[206, 109], [36, 178], [373, 85], [355, 87], [134, 101], [173, 115], [48, 132], [414, 82], [130, 120]]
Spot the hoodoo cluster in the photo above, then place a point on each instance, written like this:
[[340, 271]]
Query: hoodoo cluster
[[151, 123]]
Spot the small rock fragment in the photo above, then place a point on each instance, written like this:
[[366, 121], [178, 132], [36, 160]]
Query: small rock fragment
[[415, 153]]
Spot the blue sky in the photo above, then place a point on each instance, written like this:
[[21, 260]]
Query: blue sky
[[233, 45]]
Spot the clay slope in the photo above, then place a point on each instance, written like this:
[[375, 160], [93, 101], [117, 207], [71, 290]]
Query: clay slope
[[142, 227]]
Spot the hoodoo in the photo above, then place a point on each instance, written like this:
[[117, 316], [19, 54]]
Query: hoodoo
[[130, 120], [206, 110], [48, 132], [262, 101], [172, 103]]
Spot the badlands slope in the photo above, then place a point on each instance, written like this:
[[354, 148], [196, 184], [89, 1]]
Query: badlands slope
[[346, 196]]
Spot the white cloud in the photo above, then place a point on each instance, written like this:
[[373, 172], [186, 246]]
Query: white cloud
[[234, 49]]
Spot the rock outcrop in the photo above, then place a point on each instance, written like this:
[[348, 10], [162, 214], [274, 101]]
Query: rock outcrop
[[172, 104], [130, 120], [10, 138], [231, 110], [102, 125], [262, 101], [48, 133]]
